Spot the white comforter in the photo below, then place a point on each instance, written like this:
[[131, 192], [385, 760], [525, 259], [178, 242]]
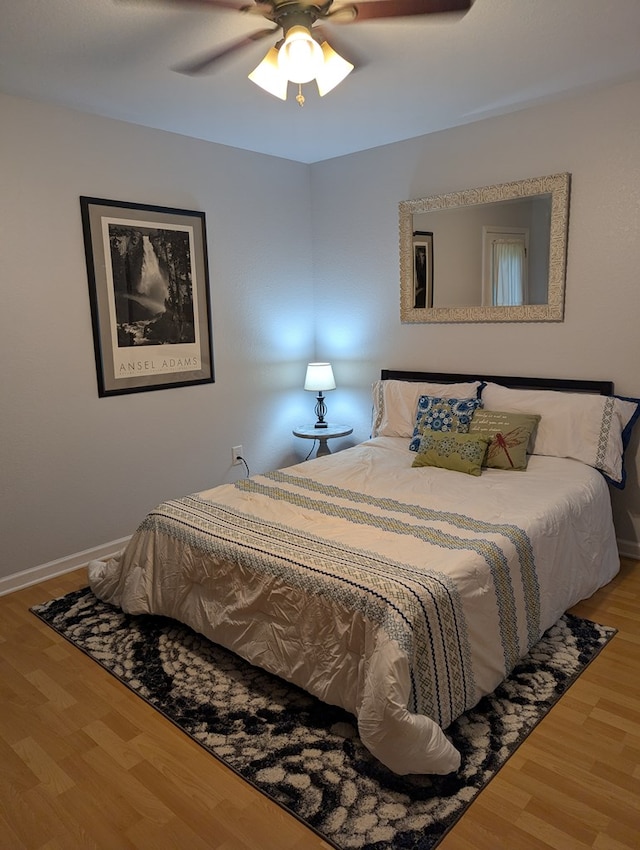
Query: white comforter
[[403, 595]]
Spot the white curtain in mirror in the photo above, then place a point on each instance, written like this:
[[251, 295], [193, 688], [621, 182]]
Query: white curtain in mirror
[[508, 272]]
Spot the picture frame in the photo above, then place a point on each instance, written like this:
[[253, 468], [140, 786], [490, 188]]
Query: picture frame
[[148, 277], [422, 270]]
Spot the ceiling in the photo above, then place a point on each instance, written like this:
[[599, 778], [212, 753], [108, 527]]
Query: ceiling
[[413, 76]]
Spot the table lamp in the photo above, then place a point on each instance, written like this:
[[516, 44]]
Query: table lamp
[[320, 379]]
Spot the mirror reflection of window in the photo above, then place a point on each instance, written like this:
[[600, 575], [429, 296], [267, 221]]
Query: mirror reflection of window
[[504, 278]]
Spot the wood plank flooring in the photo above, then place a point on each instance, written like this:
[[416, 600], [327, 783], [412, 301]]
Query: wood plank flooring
[[86, 764]]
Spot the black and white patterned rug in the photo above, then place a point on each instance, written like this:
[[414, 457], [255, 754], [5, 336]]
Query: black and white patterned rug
[[304, 754]]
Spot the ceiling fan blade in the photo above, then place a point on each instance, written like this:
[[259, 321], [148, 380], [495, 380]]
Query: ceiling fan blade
[[204, 63], [237, 5], [371, 9]]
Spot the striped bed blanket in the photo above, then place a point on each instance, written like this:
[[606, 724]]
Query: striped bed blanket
[[401, 597]]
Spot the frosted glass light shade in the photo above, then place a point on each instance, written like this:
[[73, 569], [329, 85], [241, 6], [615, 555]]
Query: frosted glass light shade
[[319, 377], [269, 76], [300, 58], [333, 70]]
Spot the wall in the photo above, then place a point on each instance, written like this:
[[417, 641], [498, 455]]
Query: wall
[[595, 137], [79, 471]]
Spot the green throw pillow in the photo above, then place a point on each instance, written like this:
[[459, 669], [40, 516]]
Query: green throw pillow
[[511, 434], [450, 450]]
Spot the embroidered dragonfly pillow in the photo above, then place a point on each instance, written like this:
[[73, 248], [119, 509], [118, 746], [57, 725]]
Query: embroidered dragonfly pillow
[[511, 435]]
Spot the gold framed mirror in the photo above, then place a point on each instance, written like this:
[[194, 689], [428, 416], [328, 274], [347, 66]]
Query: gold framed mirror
[[496, 253]]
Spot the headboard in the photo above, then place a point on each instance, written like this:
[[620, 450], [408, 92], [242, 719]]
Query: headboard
[[566, 384]]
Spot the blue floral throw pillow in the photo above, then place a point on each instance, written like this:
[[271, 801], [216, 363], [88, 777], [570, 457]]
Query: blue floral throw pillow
[[442, 414]]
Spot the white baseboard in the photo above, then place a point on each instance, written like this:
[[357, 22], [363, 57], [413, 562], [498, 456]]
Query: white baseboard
[[18, 581], [629, 549]]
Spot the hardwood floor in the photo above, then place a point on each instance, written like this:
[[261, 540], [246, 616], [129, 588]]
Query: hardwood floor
[[86, 764]]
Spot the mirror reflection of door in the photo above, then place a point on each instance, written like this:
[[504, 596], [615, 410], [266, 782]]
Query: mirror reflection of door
[[505, 251], [420, 271]]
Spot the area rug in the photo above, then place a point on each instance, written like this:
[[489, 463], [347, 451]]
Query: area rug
[[304, 754]]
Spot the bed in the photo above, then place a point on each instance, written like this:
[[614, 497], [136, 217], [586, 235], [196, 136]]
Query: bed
[[398, 588]]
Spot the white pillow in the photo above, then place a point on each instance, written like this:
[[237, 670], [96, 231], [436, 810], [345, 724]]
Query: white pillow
[[594, 429], [395, 403]]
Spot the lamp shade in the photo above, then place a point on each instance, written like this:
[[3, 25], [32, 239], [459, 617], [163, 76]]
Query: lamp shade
[[300, 57], [269, 76], [333, 71], [319, 377]]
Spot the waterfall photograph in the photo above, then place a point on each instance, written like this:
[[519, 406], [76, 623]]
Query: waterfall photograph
[[151, 271], [149, 291]]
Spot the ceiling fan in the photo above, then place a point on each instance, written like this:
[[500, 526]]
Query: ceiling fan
[[302, 53]]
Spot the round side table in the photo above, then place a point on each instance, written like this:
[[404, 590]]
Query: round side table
[[323, 435]]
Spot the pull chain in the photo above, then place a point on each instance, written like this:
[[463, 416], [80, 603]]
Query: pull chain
[[300, 96]]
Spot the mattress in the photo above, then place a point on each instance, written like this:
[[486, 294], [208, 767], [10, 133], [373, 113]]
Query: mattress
[[401, 594]]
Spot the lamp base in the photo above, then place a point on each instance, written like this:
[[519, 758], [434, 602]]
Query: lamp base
[[320, 411]]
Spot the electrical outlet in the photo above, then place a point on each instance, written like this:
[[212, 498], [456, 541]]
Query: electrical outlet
[[236, 455]]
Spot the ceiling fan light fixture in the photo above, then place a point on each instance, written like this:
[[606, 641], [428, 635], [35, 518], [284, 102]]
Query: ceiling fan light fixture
[[269, 77], [300, 58], [333, 70]]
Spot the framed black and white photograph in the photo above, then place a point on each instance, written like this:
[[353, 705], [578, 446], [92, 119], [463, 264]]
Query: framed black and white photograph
[[149, 290], [422, 269]]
